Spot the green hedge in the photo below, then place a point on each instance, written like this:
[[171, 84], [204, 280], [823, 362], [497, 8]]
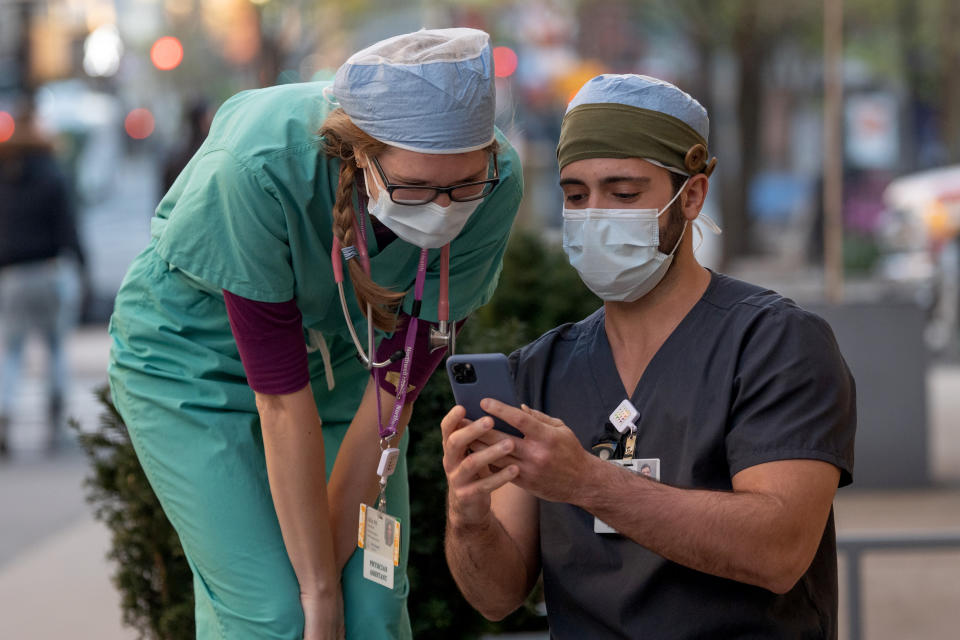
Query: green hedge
[[538, 291], [151, 573]]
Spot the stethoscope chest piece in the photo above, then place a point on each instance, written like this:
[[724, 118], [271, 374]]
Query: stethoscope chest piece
[[442, 337]]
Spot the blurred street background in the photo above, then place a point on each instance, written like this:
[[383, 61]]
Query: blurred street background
[[837, 129]]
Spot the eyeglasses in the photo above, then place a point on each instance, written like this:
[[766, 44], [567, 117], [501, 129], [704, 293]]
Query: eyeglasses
[[412, 195]]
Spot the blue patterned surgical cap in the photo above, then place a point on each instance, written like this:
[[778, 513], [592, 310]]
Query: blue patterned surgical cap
[[431, 91]]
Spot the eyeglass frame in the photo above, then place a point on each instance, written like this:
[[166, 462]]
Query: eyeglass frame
[[390, 187]]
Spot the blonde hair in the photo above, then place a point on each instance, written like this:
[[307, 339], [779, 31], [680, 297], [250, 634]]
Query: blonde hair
[[343, 139]]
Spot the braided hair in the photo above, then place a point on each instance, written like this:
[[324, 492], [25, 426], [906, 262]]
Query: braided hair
[[342, 139]]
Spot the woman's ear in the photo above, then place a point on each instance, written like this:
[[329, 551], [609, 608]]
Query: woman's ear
[[360, 159]]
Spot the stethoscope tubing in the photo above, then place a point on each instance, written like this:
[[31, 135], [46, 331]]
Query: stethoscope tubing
[[443, 303]]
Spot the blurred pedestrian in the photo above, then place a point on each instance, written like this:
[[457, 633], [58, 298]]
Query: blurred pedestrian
[[196, 124], [39, 255], [235, 362]]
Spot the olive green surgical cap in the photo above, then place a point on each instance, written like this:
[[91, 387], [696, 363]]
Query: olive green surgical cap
[[634, 116]]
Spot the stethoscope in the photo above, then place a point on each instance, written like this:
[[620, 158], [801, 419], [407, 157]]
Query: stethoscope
[[442, 336]]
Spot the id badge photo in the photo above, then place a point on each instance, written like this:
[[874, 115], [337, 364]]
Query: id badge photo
[[649, 467], [379, 537]]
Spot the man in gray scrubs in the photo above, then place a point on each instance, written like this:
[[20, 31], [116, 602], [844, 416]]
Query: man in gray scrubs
[[737, 397]]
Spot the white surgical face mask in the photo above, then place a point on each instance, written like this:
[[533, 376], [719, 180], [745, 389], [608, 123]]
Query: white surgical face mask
[[617, 251], [428, 226]]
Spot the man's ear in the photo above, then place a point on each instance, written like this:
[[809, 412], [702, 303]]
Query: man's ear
[[694, 195]]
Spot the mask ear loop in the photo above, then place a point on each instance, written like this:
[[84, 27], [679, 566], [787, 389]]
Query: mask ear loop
[[686, 223], [696, 228], [329, 96], [674, 198], [705, 220], [710, 223]]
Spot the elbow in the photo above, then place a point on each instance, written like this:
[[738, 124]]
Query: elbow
[[786, 572], [268, 404], [274, 407], [494, 601], [497, 612], [781, 585], [494, 615], [273, 410]]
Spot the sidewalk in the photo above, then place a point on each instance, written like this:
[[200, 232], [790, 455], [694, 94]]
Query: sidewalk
[[52, 552], [60, 589], [54, 576], [906, 594]]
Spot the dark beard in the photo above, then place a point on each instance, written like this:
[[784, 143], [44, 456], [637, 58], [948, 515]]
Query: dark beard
[[671, 235]]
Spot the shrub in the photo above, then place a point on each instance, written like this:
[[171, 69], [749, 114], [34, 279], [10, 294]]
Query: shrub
[[152, 575]]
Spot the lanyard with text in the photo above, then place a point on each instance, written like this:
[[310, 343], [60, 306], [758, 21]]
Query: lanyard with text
[[389, 453], [378, 534]]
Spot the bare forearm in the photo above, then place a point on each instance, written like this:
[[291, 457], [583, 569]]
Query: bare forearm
[[741, 536], [354, 478], [293, 444], [487, 566]]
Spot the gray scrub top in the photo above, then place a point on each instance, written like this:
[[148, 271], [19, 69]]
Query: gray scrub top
[[747, 377]]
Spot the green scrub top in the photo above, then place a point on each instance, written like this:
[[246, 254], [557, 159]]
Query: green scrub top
[[251, 213]]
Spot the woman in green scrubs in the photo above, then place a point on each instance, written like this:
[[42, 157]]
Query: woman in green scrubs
[[263, 481]]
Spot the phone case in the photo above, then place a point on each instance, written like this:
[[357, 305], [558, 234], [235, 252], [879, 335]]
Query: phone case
[[490, 378]]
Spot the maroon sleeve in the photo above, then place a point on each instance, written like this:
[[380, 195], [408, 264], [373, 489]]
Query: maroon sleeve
[[424, 363], [269, 337]]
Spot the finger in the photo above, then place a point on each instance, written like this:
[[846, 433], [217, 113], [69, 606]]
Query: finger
[[486, 471], [503, 463], [500, 478], [505, 460], [557, 422], [452, 421], [508, 459], [456, 445], [526, 423], [476, 462], [475, 447], [489, 484], [493, 436]]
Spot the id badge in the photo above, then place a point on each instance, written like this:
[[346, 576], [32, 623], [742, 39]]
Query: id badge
[[379, 537], [649, 467]]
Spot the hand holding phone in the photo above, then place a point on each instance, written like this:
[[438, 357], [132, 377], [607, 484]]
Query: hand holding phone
[[482, 375]]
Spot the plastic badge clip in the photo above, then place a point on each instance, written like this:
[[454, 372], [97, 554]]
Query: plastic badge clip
[[624, 417], [388, 462], [604, 450]]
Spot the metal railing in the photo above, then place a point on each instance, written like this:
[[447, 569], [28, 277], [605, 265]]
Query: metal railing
[[855, 545]]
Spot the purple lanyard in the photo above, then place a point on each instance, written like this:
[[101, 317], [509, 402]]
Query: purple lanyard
[[407, 364]]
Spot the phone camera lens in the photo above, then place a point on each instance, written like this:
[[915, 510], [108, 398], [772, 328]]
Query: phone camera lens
[[464, 373]]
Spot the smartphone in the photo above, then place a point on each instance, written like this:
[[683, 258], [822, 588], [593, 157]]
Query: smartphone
[[476, 376]]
